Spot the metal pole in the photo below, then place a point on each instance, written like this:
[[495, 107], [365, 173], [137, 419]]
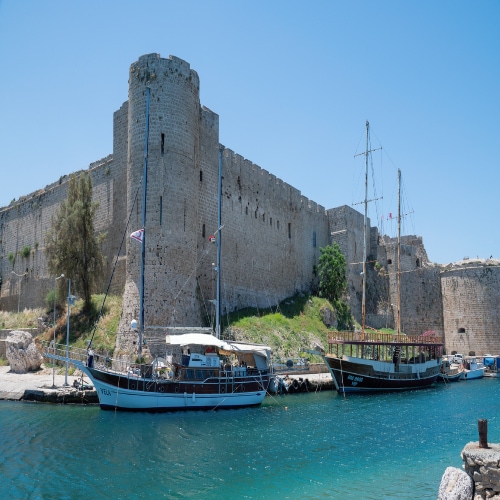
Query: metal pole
[[399, 253], [67, 331], [219, 242], [54, 361], [365, 223], [143, 246]]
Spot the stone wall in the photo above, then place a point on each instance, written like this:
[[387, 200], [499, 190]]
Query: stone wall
[[271, 235], [25, 223], [471, 306]]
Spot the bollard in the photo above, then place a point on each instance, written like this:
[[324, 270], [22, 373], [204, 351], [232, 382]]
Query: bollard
[[482, 427]]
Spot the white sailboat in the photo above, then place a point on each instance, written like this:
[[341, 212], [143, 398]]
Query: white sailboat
[[202, 371]]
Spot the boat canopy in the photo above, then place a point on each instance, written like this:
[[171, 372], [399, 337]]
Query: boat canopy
[[225, 347], [241, 348], [195, 339]]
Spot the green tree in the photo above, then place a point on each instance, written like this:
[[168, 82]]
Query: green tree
[[333, 283], [72, 245], [332, 273]]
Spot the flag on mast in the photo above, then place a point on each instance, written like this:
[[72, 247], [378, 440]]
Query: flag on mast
[[138, 235]]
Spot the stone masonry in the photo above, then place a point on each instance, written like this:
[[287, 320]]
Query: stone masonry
[[271, 236]]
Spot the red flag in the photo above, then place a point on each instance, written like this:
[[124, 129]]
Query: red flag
[[138, 235]]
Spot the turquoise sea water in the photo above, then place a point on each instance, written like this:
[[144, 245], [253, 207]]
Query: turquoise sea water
[[312, 446]]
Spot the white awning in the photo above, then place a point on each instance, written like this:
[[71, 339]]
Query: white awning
[[210, 340], [194, 339]]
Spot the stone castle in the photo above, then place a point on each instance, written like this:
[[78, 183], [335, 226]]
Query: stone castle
[[271, 237]]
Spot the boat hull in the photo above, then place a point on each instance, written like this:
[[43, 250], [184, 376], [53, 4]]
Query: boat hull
[[119, 392], [350, 376], [443, 377], [474, 374]]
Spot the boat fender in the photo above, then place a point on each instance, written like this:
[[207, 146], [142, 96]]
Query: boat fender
[[295, 384]]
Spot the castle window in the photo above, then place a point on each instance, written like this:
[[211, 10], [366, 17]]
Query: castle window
[[461, 330], [389, 261], [161, 208], [314, 239], [263, 217], [203, 231], [278, 225], [255, 213], [201, 175], [418, 262], [246, 210], [289, 230], [270, 221], [162, 143]]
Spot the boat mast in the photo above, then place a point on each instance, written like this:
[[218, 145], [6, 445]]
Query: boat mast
[[143, 245], [399, 252], [219, 236], [365, 222]]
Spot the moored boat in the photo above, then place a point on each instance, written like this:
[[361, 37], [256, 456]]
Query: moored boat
[[492, 365], [372, 361], [199, 372], [382, 362], [473, 368], [450, 371]]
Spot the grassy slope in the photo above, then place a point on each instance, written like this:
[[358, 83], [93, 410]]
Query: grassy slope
[[293, 328], [290, 329]]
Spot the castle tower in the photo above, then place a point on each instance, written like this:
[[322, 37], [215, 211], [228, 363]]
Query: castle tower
[[172, 216], [471, 306]]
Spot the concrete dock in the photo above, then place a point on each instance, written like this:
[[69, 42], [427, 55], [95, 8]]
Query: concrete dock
[[41, 386]]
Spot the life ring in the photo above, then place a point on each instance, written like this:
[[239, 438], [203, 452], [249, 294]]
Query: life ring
[[132, 387]]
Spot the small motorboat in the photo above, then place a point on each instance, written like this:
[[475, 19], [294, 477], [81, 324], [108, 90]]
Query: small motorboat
[[473, 368], [450, 371]]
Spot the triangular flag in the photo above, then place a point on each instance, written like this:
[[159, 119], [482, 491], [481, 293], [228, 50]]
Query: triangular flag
[[137, 235]]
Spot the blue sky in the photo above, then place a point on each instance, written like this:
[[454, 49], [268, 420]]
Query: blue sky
[[293, 83]]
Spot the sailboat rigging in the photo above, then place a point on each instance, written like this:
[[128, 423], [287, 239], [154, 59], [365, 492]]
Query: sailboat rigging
[[375, 361], [200, 371]]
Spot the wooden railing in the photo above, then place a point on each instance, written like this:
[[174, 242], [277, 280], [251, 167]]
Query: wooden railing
[[386, 338]]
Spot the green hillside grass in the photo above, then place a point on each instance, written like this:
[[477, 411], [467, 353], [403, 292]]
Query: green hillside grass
[[291, 329]]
